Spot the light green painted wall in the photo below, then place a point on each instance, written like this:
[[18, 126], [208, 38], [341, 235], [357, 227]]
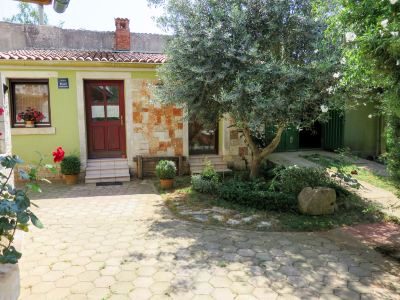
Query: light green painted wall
[[63, 106], [361, 133], [144, 75], [64, 117]]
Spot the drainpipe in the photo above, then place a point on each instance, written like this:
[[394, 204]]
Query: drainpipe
[[41, 14]]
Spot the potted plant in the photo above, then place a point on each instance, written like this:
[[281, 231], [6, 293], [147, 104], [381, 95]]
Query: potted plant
[[15, 215], [70, 168], [30, 116], [166, 172]]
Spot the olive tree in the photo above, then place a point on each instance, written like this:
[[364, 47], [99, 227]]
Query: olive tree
[[262, 62]]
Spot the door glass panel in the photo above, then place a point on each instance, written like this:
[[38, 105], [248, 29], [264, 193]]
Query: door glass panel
[[113, 112], [98, 113], [111, 93], [96, 93]]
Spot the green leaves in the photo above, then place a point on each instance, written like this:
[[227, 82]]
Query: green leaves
[[70, 165], [259, 61], [10, 256], [36, 221], [9, 162], [15, 206], [34, 187], [23, 175], [51, 168], [370, 63]]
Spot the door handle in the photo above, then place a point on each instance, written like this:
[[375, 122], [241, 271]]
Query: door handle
[[122, 120]]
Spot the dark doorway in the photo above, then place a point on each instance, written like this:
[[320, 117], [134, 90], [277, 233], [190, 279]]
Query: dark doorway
[[202, 139], [311, 138], [105, 119]]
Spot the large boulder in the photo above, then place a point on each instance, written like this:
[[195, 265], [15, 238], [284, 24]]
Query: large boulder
[[317, 201]]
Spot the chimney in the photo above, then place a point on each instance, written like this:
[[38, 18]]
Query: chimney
[[122, 35]]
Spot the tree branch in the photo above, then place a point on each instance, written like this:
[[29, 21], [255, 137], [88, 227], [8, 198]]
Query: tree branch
[[250, 143], [274, 143]]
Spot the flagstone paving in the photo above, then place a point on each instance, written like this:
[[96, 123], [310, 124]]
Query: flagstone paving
[[120, 242]]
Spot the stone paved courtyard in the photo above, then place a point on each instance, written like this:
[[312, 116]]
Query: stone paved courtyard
[[120, 242]]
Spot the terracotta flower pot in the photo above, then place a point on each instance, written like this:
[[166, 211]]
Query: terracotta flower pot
[[166, 183], [29, 124], [9, 282], [71, 179]]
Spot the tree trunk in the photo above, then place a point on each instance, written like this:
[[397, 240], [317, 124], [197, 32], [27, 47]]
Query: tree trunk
[[255, 167], [260, 154]]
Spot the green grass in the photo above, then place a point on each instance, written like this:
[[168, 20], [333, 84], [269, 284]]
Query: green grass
[[363, 174], [352, 210]]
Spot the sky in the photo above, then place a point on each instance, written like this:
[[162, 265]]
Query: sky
[[97, 14]]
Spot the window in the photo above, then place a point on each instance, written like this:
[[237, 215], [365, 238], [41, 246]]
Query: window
[[30, 94]]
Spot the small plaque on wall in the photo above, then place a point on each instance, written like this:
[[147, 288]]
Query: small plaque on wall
[[63, 83]]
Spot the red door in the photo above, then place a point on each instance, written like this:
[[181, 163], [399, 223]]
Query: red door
[[105, 118]]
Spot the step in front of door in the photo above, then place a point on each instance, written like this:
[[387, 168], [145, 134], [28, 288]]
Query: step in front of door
[[107, 170]]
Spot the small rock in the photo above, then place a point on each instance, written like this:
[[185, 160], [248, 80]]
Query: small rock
[[264, 224], [199, 212], [195, 212], [201, 217], [218, 218], [186, 212], [221, 210], [233, 222], [246, 252], [249, 219]]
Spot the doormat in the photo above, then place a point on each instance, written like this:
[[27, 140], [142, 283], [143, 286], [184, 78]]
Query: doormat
[[108, 183]]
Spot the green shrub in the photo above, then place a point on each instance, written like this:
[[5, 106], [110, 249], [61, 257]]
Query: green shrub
[[256, 194], [70, 165], [166, 169], [267, 168], [203, 185], [209, 172], [292, 180], [243, 175], [207, 181]]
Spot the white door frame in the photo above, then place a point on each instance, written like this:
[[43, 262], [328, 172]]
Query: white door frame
[[80, 90]]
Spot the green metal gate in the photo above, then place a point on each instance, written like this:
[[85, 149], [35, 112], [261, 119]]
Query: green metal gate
[[332, 135], [333, 132], [289, 139]]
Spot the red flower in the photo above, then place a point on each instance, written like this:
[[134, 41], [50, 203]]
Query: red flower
[[1, 111], [58, 155]]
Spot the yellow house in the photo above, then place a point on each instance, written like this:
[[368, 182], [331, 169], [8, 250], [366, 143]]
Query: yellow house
[[96, 103]]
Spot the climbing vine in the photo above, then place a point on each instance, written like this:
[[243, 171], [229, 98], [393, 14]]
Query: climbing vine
[[367, 32]]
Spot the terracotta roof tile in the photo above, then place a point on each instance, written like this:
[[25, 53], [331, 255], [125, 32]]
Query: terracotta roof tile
[[83, 55]]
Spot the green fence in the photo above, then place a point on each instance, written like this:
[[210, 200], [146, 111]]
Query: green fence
[[332, 135]]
